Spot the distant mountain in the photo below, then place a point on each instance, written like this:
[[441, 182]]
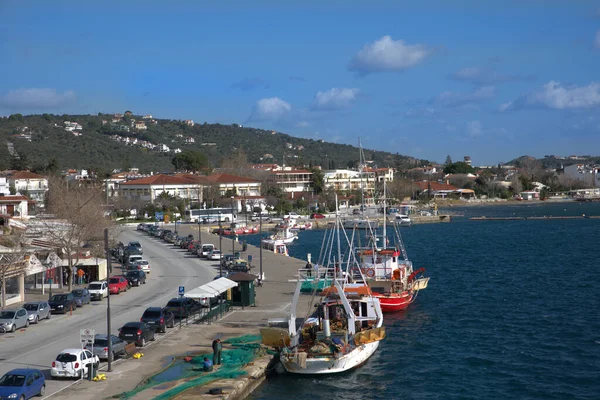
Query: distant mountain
[[105, 142], [553, 161]]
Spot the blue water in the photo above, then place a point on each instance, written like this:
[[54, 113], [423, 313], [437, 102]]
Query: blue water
[[511, 311]]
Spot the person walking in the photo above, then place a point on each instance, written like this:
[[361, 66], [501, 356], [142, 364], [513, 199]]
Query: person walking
[[217, 346], [80, 273]]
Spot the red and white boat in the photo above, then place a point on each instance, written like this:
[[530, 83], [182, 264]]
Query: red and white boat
[[388, 271]]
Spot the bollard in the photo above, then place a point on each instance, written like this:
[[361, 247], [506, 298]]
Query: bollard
[[70, 309]]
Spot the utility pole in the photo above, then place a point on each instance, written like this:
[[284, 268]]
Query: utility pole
[[260, 247], [220, 248], [108, 268]]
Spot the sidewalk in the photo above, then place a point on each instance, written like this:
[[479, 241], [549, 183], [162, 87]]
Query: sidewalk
[[272, 301]]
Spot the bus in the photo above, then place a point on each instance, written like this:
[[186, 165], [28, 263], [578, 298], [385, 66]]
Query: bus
[[210, 215]]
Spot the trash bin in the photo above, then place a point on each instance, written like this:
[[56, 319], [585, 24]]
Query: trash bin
[[91, 372]]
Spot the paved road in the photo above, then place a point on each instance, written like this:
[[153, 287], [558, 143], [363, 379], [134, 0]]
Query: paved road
[[38, 345]]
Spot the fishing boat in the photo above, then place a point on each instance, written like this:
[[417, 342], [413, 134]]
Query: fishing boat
[[343, 332], [284, 233], [276, 246], [386, 269]]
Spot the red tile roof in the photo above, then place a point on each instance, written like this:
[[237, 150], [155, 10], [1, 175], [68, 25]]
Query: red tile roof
[[160, 179], [435, 186], [227, 178], [9, 199], [22, 175]]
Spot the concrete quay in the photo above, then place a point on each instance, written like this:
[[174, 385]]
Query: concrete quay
[[273, 300]]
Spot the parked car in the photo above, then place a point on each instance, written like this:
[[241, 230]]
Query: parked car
[[239, 265], [215, 255], [22, 384], [82, 296], [136, 277], [73, 363], [227, 260], [100, 346], [183, 307], [136, 244], [117, 284], [292, 215], [160, 318], [143, 265], [206, 249], [138, 332], [356, 211], [37, 310], [133, 259], [13, 319], [98, 290], [62, 303], [317, 216]]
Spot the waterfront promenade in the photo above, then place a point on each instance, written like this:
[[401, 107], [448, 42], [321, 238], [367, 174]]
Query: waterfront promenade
[[272, 301]]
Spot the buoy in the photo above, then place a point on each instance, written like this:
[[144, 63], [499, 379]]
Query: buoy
[[187, 359]]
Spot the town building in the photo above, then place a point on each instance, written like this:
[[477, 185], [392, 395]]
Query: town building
[[590, 174], [28, 184]]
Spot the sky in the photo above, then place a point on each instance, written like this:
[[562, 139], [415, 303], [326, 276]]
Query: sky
[[491, 80]]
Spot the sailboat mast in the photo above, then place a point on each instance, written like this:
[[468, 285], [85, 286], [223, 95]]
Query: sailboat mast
[[339, 248], [384, 214]]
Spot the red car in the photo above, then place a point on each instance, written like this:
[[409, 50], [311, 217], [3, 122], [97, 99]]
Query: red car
[[118, 284], [317, 216]]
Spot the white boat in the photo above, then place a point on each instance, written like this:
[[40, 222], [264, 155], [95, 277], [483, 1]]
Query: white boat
[[403, 220], [276, 246], [343, 332], [360, 223], [284, 233]]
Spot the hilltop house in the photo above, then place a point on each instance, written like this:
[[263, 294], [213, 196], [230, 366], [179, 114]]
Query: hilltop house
[[28, 184]]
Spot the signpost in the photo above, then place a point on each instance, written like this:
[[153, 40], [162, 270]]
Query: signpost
[[87, 336], [250, 260]]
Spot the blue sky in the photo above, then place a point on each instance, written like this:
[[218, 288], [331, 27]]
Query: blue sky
[[492, 80]]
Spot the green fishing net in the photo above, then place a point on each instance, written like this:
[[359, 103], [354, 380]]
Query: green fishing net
[[243, 350]]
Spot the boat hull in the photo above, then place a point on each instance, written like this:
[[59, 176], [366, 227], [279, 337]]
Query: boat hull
[[331, 365], [395, 302]]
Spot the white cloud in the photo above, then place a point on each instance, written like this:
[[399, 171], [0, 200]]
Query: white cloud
[[556, 96], [334, 99], [474, 128], [457, 99], [36, 98], [387, 54], [270, 108], [597, 41]]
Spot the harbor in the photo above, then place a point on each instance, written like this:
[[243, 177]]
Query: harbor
[[450, 343]]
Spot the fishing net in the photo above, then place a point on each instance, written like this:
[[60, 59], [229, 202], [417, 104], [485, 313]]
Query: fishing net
[[185, 375]]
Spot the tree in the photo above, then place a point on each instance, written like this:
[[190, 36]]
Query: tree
[[448, 160], [191, 161], [318, 180], [80, 218], [459, 167]]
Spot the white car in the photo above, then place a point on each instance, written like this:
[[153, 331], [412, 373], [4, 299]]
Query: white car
[[144, 264], [98, 290], [215, 255], [206, 249], [73, 363]]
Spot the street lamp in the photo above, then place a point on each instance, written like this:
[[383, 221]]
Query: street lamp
[[261, 246], [232, 230], [220, 246], [107, 250]]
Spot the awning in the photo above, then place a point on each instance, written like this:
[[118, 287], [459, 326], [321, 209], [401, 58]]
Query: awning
[[211, 289]]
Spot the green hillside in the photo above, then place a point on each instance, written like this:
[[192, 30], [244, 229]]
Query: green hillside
[[96, 149]]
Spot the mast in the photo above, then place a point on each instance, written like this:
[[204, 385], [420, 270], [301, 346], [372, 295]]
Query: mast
[[384, 214], [337, 232]]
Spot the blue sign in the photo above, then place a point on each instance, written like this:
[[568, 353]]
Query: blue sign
[[249, 258], [159, 216], [181, 290]]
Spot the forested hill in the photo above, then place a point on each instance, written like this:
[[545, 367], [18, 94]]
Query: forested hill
[[98, 142]]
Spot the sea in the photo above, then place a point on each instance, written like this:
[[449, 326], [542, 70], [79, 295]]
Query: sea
[[512, 311]]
